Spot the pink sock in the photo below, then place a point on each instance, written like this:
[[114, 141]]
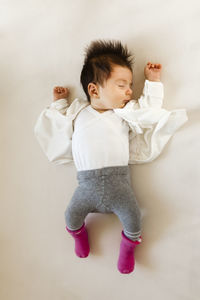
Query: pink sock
[[126, 259], [80, 236]]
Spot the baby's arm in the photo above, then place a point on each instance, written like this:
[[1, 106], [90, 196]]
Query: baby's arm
[[153, 91], [152, 72], [53, 128], [151, 125]]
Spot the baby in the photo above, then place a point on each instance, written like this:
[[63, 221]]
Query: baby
[[101, 134]]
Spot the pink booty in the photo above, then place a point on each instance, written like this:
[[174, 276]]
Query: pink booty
[[126, 261], [82, 248]]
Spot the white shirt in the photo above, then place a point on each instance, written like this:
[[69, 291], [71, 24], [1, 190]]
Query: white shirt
[[64, 132], [99, 140]]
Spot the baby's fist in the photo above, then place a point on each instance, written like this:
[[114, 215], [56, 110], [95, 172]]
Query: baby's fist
[[60, 92], [152, 72]]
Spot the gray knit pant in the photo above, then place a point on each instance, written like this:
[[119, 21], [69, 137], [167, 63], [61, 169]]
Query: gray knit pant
[[105, 190]]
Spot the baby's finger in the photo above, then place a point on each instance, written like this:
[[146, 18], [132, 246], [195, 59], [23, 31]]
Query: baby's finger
[[157, 66], [60, 89], [149, 65], [57, 89]]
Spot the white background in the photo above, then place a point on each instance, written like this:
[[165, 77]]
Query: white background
[[42, 45]]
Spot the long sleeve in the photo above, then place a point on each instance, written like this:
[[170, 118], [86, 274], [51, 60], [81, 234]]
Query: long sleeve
[[151, 126], [53, 131], [152, 95]]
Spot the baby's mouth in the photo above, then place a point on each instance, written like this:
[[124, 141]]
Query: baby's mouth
[[126, 101]]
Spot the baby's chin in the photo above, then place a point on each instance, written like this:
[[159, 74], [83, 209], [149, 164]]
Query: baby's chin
[[119, 106], [122, 105]]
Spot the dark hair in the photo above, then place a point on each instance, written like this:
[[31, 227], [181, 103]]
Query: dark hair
[[100, 57]]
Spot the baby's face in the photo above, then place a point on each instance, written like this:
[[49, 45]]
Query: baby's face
[[116, 91]]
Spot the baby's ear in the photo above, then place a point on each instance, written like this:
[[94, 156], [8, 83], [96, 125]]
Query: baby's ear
[[93, 90]]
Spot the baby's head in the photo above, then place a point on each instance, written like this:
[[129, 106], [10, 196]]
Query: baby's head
[[107, 76]]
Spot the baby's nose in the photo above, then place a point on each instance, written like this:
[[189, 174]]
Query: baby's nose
[[129, 91]]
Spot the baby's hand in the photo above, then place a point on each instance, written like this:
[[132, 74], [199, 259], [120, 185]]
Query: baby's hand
[[152, 72], [60, 92]]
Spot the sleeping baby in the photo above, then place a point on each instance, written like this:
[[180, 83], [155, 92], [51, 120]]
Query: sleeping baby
[[103, 134]]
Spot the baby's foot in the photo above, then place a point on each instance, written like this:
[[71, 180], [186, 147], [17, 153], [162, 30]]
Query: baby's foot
[[126, 261], [82, 248]]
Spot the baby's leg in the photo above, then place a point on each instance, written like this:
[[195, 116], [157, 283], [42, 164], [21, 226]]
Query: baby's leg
[[78, 209], [130, 218], [85, 200], [81, 204], [126, 208]]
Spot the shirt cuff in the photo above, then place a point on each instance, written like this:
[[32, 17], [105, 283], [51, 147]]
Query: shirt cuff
[[153, 88], [59, 104]]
